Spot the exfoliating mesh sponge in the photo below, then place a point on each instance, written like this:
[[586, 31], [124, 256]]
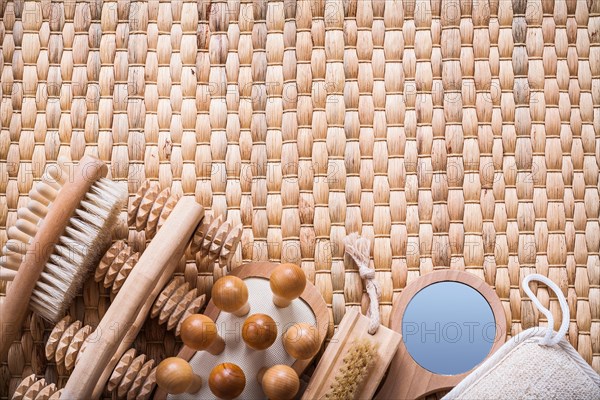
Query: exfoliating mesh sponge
[[524, 369], [536, 364]]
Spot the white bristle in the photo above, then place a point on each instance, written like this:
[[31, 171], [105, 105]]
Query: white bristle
[[10, 260], [15, 233], [89, 217], [46, 190], [26, 227], [6, 274], [16, 246], [93, 209], [37, 208], [72, 255], [37, 196], [26, 214], [52, 182], [57, 174], [79, 248]]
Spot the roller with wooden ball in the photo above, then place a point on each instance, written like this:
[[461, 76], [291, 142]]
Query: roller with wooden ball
[[280, 382], [199, 332], [287, 283], [175, 376], [301, 341], [230, 294], [259, 331], [227, 381]]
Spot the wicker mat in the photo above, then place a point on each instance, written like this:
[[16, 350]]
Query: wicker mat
[[454, 134]]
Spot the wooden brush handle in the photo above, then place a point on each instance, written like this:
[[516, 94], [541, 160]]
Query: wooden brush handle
[[168, 245], [15, 305]]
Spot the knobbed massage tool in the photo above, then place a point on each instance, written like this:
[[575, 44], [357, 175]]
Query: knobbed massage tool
[[175, 375], [301, 341], [280, 382], [227, 381], [259, 331], [287, 283], [199, 332], [230, 294]]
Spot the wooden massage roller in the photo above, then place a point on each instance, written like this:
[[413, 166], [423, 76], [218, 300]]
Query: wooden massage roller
[[133, 302], [176, 302], [215, 240], [133, 377], [31, 388]]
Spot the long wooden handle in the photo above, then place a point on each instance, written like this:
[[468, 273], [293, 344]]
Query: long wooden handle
[[134, 330], [14, 308], [169, 244]]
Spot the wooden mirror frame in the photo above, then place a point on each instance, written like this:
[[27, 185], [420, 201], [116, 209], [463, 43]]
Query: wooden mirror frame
[[311, 296], [407, 379]]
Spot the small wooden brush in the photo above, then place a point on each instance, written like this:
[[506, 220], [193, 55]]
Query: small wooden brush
[[57, 241], [357, 364]]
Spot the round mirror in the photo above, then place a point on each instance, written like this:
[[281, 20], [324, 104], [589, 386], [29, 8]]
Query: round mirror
[[448, 328], [450, 322]]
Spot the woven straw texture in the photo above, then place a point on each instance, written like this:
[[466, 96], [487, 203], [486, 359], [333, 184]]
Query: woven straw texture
[[453, 134]]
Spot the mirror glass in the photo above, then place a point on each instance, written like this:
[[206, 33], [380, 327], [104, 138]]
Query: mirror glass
[[448, 328]]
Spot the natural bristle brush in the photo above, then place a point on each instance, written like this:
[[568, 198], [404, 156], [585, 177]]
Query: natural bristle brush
[[57, 240]]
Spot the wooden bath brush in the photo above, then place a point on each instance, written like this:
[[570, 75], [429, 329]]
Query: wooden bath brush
[[57, 240]]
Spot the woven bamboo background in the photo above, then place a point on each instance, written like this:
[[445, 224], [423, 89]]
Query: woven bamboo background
[[454, 134]]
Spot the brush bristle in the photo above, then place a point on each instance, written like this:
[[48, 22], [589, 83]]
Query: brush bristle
[[355, 368], [76, 252]]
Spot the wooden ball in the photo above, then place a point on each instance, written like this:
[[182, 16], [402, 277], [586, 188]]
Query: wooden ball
[[230, 294], [280, 382], [259, 331], [227, 381], [301, 341], [199, 332], [287, 283], [175, 375]]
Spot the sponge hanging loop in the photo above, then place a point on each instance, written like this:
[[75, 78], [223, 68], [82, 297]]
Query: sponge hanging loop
[[548, 339]]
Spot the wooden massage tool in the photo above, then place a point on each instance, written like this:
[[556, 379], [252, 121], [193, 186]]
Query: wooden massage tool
[[260, 328], [57, 240], [227, 381], [31, 388], [230, 294], [132, 304], [287, 283], [260, 331], [199, 332], [176, 302], [301, 341], [134, 375], [175, 376], [215, 240], [279, 382]]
